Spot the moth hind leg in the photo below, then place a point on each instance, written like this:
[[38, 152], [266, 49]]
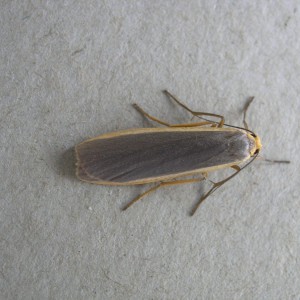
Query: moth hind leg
[[196, 113], [162, 184], [146, 115]]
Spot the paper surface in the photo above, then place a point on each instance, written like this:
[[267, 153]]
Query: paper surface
[[70, 71]]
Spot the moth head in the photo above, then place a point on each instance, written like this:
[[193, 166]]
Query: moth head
[[257, 144]]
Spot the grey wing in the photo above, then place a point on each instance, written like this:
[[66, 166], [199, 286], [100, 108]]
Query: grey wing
[[145, 155]]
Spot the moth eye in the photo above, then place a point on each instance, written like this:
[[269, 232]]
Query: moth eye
[[254, 135], [256, 151]]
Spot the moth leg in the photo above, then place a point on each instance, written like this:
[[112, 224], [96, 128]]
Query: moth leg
[[195, 113], [205, 174], [236, 167], [196, 124], [162, 184], [146, 115], [215, 186]]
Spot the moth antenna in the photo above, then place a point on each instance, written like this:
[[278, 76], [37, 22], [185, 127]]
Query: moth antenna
[[249, 101]]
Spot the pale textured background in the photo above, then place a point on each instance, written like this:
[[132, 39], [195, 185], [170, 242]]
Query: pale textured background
[[70, 70]]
